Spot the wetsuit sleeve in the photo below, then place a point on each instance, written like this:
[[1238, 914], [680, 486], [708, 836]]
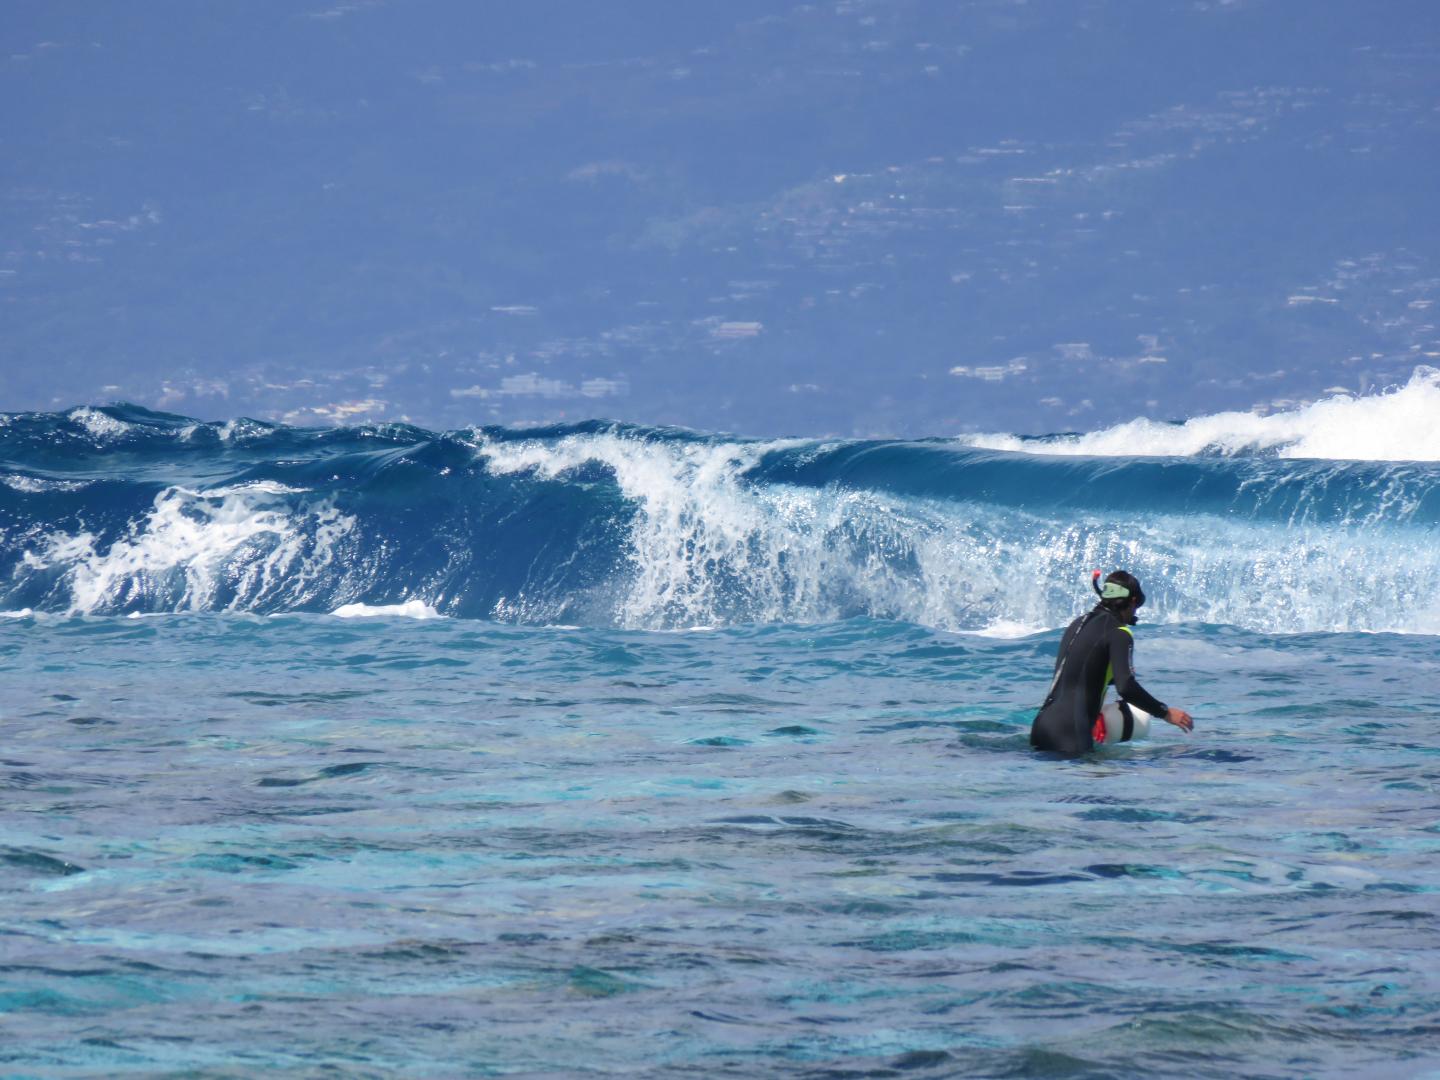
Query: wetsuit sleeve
[[1122, 647]]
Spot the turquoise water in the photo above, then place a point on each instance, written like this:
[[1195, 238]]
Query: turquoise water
[[609, 750], [233, 844]]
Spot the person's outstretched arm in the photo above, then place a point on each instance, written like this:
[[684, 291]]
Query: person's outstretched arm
[[1122, 651]]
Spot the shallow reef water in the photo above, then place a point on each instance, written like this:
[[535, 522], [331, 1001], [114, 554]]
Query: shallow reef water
[[299, 844]]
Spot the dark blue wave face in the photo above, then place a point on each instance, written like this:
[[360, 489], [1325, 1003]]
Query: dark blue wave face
[[118, 510], [1265, 488], [156, 513]]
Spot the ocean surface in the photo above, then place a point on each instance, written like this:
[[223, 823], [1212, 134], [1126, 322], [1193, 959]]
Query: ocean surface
[[605, 750]]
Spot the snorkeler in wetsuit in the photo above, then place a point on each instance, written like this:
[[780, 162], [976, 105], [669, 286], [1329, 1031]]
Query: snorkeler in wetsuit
[[1096, 650]]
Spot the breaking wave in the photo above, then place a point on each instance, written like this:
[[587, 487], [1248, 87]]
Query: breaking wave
[[1397, 425], [120, 510]]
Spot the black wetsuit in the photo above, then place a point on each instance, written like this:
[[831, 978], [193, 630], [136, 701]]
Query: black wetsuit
[[1095, 651]]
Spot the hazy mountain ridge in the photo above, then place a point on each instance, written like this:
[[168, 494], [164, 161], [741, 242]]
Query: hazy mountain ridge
[[861, 218]]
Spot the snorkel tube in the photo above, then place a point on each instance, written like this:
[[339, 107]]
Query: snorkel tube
[[1118, 590]]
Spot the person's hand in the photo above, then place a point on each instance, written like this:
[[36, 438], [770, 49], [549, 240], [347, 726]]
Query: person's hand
[[1181, 719]]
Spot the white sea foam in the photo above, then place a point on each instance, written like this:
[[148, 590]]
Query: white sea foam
[[1009, 629], [698, 540], [231, 547], [255, 487], [23, 613], [241, 430], [98, 423], [410, 609], [1401, 424], [710, 548], [34, 485]]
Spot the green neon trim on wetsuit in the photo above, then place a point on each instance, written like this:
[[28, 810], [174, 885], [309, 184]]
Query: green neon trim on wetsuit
[[1109, 669]]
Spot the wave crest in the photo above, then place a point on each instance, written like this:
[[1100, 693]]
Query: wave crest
[[1396, 425], [611, 524]]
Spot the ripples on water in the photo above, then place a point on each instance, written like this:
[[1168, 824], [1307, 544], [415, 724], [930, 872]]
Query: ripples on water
[[440, 848]]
